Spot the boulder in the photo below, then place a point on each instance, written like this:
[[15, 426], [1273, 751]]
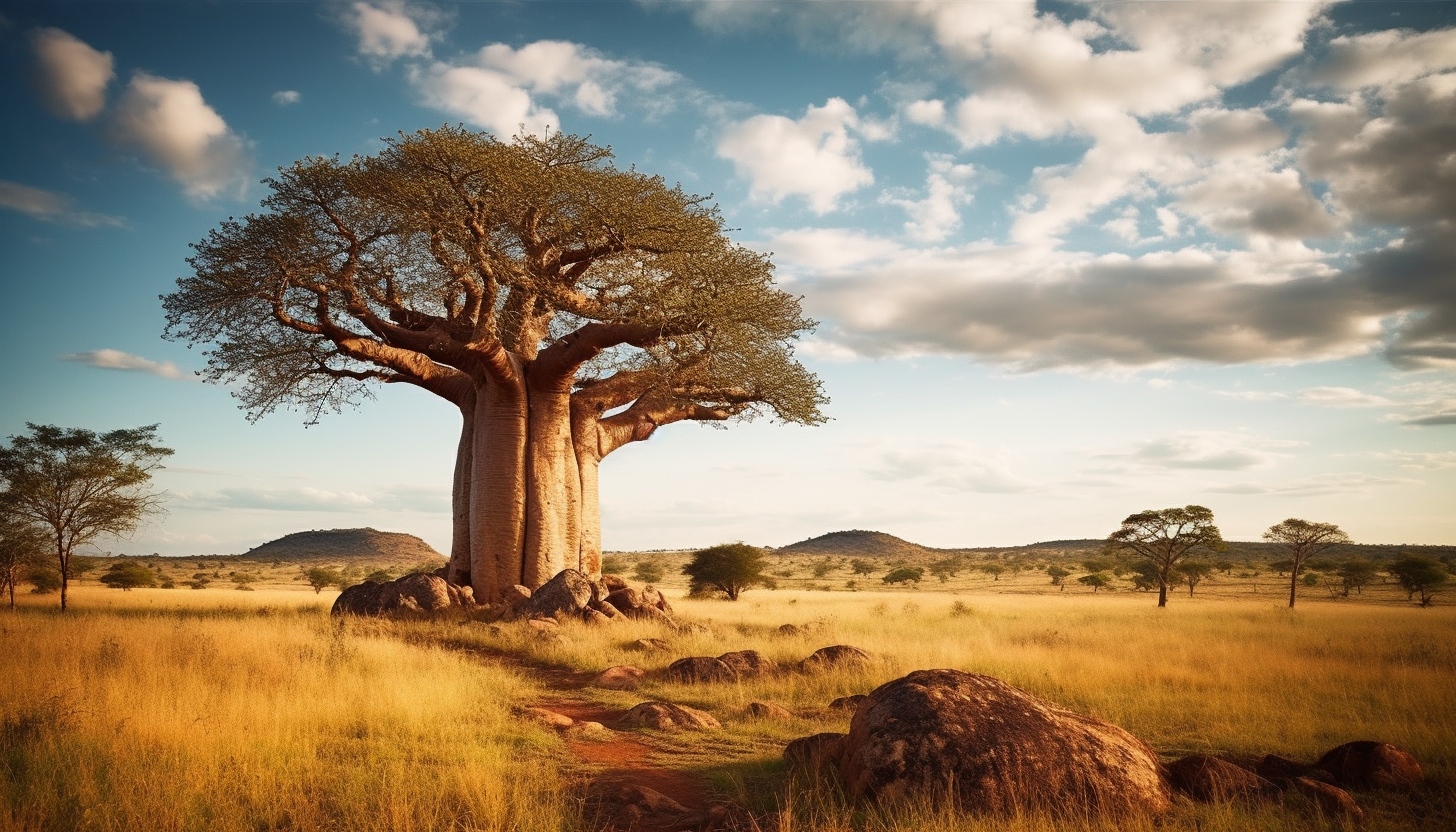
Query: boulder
[[996, 749], [413, 596], [748, 663], [1211, 780], [699, 669], [587, 731], [839, 655], [790, 630], [515, 596], [1367, 764], [665, 716], [621, 677], [847, 703], [815, 754], [605, 608], [550, 719], [595, 618], [1330, 801], [768, 710], [1274, 767], [612, 583], [655, 599], [565, 595], [627, 600]]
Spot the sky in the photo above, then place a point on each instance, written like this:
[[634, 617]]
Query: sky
[[1070, 260]]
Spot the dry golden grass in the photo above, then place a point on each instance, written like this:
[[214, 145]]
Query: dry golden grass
[[229, 710], [151, 710]]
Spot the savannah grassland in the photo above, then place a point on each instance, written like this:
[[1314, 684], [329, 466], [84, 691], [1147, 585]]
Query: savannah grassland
[[226, 710]]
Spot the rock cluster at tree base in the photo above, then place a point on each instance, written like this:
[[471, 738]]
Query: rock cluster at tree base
[[414, 595], [572, 595]]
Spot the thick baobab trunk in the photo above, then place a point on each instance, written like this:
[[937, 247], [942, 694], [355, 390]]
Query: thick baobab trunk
[[459, 568], [498, 490], [589, 555], [553, 489]]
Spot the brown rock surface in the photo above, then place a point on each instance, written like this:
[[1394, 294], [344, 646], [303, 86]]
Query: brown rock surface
[[768, 710], [667, 716], [999, 748], [1211, 780], [1366, 764], [748, 663], [1330, 801], [838, 655], [567, 594], [847, 703], [414, 595], [699, 669], [650, 645], [621, 677], [816, 754]]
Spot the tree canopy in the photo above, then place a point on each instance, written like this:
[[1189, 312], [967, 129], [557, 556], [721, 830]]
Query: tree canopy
[[565, 306], [729, 568], [75, 485], [1303, 540], [1164, 537]]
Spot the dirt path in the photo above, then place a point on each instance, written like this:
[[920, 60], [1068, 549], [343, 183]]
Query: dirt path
[[629, 787]]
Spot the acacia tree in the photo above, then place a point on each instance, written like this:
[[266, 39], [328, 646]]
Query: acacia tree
[[22, 548], [566, 308], [729, 568], [1303, 540], [75, 485], [1164, 537]]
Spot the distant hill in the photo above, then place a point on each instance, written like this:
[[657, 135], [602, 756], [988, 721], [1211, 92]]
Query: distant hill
[[366, 545], [856, 543]]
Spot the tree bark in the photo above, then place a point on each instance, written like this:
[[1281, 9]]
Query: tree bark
[[553, 489], [459, 568], [498, 489]]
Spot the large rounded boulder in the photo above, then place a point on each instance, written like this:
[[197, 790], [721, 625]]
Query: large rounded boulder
[[413, 595], [995, 748]]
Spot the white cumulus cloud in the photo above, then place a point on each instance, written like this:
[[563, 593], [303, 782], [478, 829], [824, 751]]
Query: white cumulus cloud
[[814, 157], [109, 359], [390, 30], [173, 127], [71, 76], [49, 206]]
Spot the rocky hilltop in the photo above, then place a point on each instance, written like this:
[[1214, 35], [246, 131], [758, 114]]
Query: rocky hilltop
[[348, 545], [857, 543]]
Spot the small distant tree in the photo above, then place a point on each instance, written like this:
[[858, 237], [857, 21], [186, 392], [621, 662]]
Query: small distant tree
[[649, 570], [128, 575], [321, 578], [1356, 574], [22, 548], [1192, 573], [1094, 565], [730, 569], [1145, 577], [381, 576], [82, 565], [823, 567], [76, 485], [1224, 565], [945, 568], [43, 580], [1420, 575], [1096, 580], [244, 580], [1057, 574], [860, 566], [993, 569], [1303, 540], [904, 574], [614, 565], [1164, 537], [199, 581]]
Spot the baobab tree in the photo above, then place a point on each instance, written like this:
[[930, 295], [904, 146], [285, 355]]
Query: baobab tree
[[1303, 540], [565, 307], [1164, 537]]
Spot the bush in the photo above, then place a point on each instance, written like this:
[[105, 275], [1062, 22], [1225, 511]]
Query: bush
[[44, 581], [649, 570], [728, 569], [614, 564], [904, 574], [128, 576]]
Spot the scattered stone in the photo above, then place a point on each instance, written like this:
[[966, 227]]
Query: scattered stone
[[629, 806], [550, 719], [690, 628], [665, 716], [565, 595], [414, 596], [605, 608], [839, 655], [791, 630], [612, 583], [1330, 801], [748, 663], [650, 645], [768, 710], [1274, 767], [700, 669], [1366, 764], [655, 599], [847, 703], [816, 754], [587, 731], [595, 618], [998, 748], [621, 677], [515, 596], [1211, 780]]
